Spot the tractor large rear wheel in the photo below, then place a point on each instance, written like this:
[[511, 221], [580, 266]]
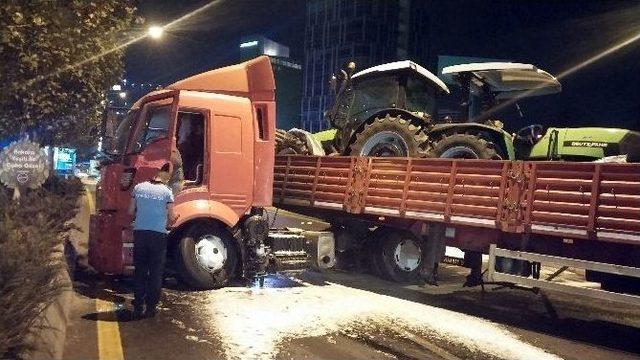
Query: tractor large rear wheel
[[391, 136]]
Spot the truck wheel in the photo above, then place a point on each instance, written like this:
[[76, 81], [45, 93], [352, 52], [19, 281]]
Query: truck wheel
[[401, 255], [206, 257], [390, 136], [290, 144], [465, 146]]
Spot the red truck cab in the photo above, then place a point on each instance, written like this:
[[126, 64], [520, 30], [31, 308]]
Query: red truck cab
[[222, 124]]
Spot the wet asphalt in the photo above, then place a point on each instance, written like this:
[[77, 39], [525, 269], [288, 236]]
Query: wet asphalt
[[193, 324], [183, 328]]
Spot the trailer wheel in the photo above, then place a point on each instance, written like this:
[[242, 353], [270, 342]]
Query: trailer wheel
[[391, 136], [401, 255], [206, 257], [465, 146]]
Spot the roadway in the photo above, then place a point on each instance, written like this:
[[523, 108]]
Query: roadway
[[345, 315]]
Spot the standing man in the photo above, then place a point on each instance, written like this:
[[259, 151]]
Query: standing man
[[151, 205]]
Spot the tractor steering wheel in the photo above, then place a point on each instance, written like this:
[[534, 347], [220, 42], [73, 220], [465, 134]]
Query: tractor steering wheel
[[530, 134]]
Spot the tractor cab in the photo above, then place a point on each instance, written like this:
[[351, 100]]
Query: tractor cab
[[400, 85], [492, 86], [488, 87]]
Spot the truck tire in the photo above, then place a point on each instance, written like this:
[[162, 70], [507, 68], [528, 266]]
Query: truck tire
[[206, 257], [400, 254], [465, 146], [390, 136], [290, 144]]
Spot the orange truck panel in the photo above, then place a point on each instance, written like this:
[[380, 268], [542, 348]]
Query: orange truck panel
[[237, 104]]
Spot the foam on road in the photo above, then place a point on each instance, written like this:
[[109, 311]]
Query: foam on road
[[252, 322]]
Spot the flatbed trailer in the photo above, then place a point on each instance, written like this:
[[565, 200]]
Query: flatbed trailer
[[582, 214]]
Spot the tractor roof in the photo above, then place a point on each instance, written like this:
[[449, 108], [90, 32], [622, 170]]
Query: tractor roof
[[404, 65], [507, 79]]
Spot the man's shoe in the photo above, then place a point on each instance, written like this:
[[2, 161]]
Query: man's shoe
[[150, 313], [138, 312]]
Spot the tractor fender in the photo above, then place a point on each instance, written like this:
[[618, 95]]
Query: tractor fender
[[312, 143], [204, 209], [498, 136]]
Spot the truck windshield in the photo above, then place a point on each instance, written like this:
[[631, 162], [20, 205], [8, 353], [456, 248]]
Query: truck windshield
[[156, 126], [123, 132]]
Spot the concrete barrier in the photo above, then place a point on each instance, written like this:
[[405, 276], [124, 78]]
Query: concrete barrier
[[49, 333]]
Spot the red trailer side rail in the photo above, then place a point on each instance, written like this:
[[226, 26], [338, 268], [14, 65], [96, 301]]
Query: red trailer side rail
[[593, 201]]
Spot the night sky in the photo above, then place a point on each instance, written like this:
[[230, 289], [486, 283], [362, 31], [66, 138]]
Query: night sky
[[553, 35]]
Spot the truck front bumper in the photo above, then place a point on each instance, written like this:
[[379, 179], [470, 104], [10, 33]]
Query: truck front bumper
[[110, 245]]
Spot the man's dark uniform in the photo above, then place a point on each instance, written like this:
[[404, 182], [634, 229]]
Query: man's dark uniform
[[150, 242]]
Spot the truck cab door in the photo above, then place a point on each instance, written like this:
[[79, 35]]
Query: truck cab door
[[152, 142]]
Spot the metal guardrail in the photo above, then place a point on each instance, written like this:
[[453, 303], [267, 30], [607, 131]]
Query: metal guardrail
[[496, 277]]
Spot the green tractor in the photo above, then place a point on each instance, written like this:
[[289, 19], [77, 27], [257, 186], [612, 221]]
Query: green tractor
[[391, 110]]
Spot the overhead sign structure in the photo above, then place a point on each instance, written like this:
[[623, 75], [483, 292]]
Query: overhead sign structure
[[23, 164]]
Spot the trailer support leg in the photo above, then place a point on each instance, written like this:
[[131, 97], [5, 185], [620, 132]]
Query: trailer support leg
[[434, 246]]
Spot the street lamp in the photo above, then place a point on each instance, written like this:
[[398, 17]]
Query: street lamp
[[155, 32]]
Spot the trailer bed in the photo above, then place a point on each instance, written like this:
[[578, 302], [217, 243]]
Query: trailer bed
[[594, 201]]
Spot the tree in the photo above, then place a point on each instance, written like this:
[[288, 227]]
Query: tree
[[56, 60]]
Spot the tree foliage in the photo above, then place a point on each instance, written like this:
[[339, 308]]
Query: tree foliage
[[30, 232], [56, 62]]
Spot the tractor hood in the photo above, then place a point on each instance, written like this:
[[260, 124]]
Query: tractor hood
[[404, 65], [505, 80]]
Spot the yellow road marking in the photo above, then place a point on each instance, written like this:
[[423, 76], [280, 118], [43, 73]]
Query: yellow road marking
[[109, 342], [92, 206]]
